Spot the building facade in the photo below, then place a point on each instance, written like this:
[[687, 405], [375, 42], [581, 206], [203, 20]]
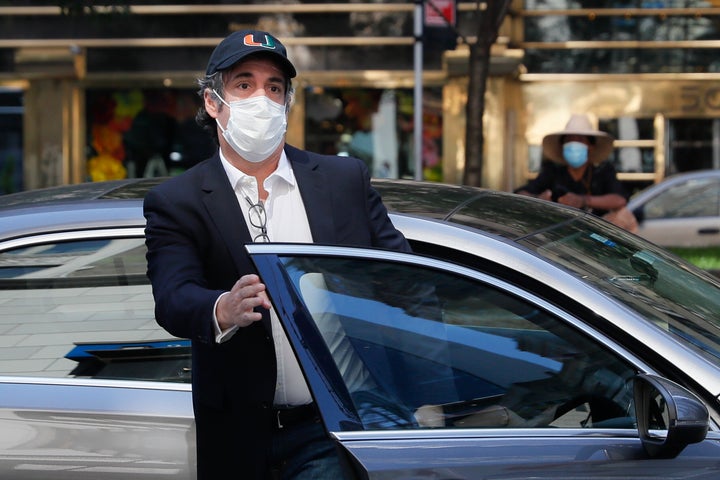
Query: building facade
[[89, 92]]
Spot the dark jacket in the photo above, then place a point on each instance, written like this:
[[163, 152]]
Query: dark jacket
[[195, 234]]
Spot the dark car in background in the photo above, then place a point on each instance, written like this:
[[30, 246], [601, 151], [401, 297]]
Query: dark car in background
[[521, 339]]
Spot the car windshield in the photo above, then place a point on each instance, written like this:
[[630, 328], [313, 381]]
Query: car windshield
[[675, 296]]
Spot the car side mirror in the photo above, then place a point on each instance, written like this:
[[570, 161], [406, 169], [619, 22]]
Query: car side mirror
[[669, 417]]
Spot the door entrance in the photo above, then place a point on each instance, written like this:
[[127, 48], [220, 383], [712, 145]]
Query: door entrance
[[11, 140], [693, 144]]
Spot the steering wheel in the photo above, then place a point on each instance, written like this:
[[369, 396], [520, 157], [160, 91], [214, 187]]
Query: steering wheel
[[601, 408]]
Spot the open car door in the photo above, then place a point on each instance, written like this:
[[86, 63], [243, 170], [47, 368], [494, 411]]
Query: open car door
[[427, 369]]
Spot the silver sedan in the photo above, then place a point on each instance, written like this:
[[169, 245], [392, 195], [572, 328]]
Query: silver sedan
[[521, 339], [681, 211]]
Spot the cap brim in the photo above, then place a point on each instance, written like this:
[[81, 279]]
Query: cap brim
[[228, 62]]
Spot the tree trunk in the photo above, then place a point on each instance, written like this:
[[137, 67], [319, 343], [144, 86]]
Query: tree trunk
[[474, 129], [490, 16]]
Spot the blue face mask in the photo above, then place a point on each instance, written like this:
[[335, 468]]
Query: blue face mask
[[575, 154]]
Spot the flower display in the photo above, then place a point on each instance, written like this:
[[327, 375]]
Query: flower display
[[105, 167], [111, 116]]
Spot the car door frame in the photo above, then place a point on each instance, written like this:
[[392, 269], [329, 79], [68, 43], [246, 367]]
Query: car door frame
[[617, 450]]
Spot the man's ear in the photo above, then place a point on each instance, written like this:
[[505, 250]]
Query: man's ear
[[211, 104]]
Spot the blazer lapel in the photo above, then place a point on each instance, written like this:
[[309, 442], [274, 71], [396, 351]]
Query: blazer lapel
[[315, 194], [222, 207]]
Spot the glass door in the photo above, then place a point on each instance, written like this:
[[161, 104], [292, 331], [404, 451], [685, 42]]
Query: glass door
[[693, 144], [11, 140]]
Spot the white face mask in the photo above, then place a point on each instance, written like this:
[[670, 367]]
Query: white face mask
[[256, 127]]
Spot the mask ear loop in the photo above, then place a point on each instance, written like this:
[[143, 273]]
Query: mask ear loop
[[220, 98], [226, 104]]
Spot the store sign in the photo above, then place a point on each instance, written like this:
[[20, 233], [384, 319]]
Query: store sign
[[440, 13], [697, 99]]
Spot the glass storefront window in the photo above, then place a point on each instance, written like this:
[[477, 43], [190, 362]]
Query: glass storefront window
[[694, 144], [634, 150], [375, 125], [11, 141], [143, 133], [588, 23], [616, 60]]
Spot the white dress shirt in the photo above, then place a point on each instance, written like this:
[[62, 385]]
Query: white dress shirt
[[286, 222]]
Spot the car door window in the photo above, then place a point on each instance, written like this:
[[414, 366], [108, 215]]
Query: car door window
[[419, 347], [83, 308], [692, 198]]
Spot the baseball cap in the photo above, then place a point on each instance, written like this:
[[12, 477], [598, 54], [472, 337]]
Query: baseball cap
[[242, 43]]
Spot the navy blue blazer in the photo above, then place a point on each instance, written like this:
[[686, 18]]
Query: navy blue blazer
[[195, 234]]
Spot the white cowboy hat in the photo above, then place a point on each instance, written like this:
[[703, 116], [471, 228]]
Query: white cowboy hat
[[578, 125]]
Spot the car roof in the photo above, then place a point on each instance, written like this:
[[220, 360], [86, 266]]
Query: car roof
[[501, 213], [83, 206], [119, 203], [135, 188]]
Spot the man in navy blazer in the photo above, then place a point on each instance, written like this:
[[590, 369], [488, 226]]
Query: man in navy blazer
[[253, 411]]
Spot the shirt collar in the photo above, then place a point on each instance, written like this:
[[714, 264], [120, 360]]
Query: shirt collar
[[283, 171]]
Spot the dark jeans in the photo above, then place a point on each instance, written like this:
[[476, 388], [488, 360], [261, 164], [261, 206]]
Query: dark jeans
[[304, 452], [252, 447]]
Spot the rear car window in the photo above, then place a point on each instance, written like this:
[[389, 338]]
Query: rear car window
[[83, 308]]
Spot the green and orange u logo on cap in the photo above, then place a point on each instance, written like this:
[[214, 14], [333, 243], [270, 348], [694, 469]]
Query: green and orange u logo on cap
[[249, 40]]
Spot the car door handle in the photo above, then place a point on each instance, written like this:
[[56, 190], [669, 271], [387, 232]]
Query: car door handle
[[708, 231]]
